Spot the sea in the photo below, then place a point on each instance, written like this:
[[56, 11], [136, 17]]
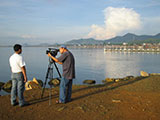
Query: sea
[[90, 64]]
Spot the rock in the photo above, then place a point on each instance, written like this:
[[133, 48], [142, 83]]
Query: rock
[[128, 77], [116, 101], [144, 74], [62, 108], [138, 77], [104, 81], [154, 74], [7, 86], [101, 106], [54, 82], [34, 84], [109, 79], [40, 82], [81, 108], [117, 80], [89, 81], [1, 84]]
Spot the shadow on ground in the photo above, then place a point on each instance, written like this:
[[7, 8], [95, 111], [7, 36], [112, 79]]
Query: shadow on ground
[[103, 88]]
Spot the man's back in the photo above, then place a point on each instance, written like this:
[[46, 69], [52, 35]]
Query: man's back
[[16, 62]]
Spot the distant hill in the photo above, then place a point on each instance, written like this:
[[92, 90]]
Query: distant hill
[[128, 38], [89, 41], [131, 38]]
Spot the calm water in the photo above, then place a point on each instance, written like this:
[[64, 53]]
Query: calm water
[[90, 64]]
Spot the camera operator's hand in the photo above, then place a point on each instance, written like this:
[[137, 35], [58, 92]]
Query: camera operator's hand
[[55, 59], [49, 55]]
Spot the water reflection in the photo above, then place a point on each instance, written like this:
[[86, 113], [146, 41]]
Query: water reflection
[[121, 64], [124, 64]]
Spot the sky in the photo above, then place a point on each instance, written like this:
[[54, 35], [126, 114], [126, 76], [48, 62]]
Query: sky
[[58, 21]]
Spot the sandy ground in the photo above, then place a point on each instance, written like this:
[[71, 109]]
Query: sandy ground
[[134, 99]]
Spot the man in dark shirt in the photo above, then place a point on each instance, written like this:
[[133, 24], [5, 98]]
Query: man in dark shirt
[[68, 65]]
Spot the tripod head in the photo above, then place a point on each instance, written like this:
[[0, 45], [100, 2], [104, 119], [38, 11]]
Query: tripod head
[[53, 52]]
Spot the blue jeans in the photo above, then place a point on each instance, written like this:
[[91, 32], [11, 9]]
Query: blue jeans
[[17, 88], [65, 90]]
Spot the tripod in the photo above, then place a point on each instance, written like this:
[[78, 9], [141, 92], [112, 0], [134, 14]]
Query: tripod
[[49, 74]]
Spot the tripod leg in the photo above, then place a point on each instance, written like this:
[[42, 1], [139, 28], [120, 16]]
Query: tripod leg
[[57, 70], [47, 74], [50, 94]]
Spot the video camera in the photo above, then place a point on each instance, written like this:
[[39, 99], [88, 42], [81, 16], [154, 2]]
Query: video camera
[[52, 51]]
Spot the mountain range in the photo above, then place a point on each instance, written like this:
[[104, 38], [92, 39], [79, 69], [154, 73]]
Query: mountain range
[[127, 38]]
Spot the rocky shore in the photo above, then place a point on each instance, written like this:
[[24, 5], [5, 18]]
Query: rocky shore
[[129, 99]]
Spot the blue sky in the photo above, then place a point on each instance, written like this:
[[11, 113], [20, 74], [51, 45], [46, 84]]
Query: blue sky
[[58, 21]]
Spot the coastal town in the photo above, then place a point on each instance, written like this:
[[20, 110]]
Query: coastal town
[[145, 47], [125, 47]]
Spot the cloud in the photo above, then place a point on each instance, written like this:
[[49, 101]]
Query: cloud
[[117, 20]]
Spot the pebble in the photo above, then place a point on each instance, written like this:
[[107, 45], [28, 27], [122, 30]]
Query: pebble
[[102, 106], [144, 109], [116, 101], [81, 108], [132, 108], [62, 108]]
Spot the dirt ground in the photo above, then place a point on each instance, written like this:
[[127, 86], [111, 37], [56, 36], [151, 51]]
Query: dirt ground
[[134, 99]]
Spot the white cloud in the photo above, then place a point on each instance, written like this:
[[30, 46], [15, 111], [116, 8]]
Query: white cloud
[[117, 20]]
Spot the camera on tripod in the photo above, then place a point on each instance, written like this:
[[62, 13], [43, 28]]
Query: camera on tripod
[[52, 51]]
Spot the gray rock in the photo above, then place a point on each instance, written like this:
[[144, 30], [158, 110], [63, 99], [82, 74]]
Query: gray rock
[[89, 81], [54, 82], [7, 86]]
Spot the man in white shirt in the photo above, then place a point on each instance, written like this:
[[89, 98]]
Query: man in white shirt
[[18, 76]]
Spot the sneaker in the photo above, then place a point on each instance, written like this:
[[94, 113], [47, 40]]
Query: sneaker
[[16, 103], [59, 102]]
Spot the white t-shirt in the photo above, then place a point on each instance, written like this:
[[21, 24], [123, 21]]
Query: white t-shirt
[[16, 62]]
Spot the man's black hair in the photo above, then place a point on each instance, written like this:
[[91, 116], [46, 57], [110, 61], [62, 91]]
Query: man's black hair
[[17, 47]]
